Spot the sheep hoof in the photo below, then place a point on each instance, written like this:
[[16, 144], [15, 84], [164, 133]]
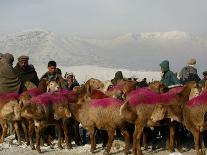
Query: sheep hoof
[[106, 152], [127, 152], [92, 151], [60, 147], [38, 150], [69, 146]]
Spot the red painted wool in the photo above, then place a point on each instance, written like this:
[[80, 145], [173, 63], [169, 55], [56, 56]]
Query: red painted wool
[[9, 96], [176, 90], [32, 92], [69, 94], [199, 100], [147, 96], [106, 102], [97, 94], [48, 98]]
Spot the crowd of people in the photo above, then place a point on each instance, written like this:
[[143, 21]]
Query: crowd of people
[[12, 79]]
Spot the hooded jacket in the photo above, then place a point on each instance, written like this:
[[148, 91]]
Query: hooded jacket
[[168, 77]]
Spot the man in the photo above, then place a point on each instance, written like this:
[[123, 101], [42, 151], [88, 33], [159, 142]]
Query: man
[[117, 78], [168, 77], [189, 72], [51, 75], [202, 82], [25, 71], [9, 80]]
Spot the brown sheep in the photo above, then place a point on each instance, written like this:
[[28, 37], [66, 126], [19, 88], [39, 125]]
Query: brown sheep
[[47, 109], [102, 114], [195, 120], [145, 109]]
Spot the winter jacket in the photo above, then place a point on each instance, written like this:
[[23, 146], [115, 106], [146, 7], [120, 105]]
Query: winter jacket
[[74, 84], [9, 80], [168, 77], [29, 74], [189, 73], [47, 77]]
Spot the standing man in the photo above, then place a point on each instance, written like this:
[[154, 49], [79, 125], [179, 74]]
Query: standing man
[[168, 77], [25, 71], [9, 80], [118, 77], [189, 72], [51, 75]]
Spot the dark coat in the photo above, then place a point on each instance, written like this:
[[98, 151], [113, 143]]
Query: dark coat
[[74, 84], [189, 73], [29, 74], [9, 80], [47, 77]]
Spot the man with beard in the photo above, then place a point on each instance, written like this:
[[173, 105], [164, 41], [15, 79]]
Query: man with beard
[[25, 71]]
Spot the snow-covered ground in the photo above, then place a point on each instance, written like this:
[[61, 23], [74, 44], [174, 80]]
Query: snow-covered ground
[[84, 73], [10, 147]]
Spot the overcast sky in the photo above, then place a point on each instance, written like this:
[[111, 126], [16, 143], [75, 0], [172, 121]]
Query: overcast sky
[[103, 18]]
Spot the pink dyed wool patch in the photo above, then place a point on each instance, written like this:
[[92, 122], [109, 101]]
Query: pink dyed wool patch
[[106, 102], [48, 98], [199, 100], [146, 96], [32, 92], [9, 96]]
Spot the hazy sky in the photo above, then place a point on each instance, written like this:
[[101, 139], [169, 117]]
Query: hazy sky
[[103, 18]]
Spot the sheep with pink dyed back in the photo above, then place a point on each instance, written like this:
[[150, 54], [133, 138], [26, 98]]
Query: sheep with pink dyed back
[[194, 119], [102, 114], [47, 109], [145, 108], [9, 112]]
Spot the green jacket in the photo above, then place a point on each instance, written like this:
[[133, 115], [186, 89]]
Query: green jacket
[[29, 74], [168, 77]]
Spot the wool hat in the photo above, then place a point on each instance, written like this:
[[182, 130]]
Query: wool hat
[[191, 61], [23, 58]]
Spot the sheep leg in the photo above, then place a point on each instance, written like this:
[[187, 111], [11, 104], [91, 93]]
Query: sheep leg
[[5, 128], [67, 139], [144, 138], [172, 136], [125, 133], [202, 144], [38, 130], [92, 139], [110, 141], [25, 131], [196, 141], [59, 135], [30, 132], [16, 127]]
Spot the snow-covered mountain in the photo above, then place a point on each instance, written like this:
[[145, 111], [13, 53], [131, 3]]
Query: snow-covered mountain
[[132, 51]]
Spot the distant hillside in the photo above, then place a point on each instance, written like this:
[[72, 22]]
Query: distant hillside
[[131, 51]]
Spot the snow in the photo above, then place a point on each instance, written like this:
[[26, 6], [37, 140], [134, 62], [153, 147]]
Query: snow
[[10, 146], [85, 72]]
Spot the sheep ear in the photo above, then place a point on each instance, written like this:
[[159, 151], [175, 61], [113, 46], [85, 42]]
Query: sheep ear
[[158, 113]]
